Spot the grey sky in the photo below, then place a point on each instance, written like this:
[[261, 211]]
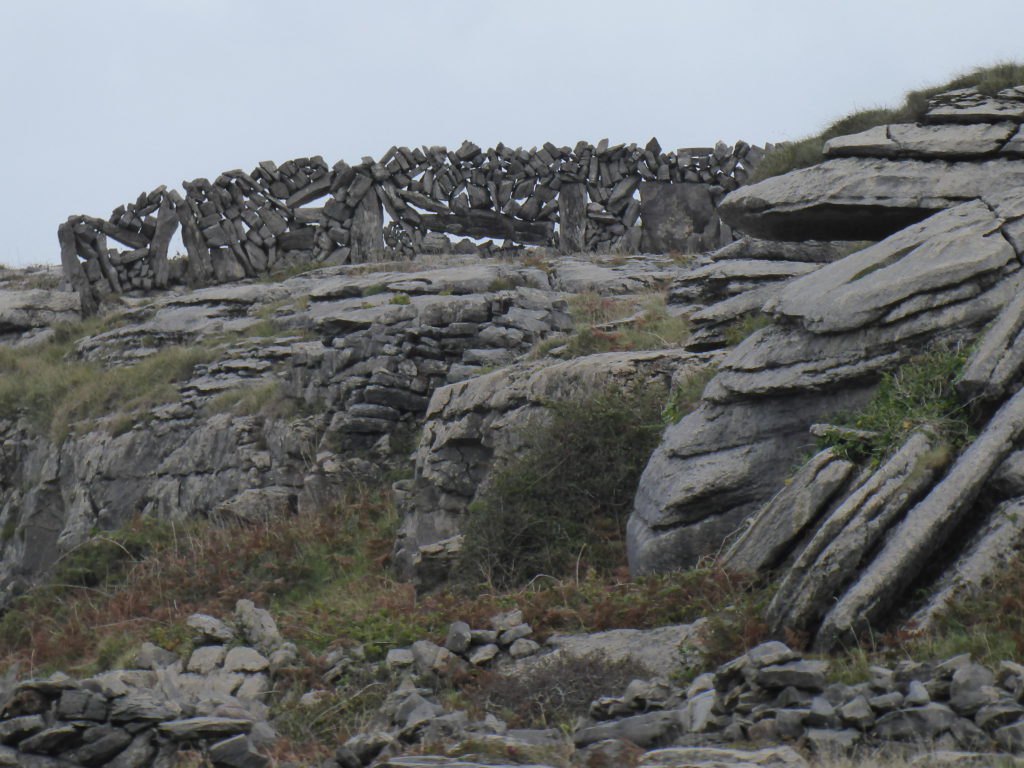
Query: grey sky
[[104, 99]]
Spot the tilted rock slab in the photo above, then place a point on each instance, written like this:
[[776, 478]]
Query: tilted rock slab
[[768, 538], [837, 548], [990, 550], [862, 198], [924, 529]]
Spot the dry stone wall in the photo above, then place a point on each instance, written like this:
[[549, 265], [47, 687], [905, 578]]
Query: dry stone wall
[[586, 198]]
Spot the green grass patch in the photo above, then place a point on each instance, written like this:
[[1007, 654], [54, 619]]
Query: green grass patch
[[559, 505], [790, 155], [264, 399], [988, 623], [58, 394], [614, 324], [920, 394]]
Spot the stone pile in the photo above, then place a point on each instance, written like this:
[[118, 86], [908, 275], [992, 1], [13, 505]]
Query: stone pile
[[244, 224], [772, 695], [143, 716], [507, 638]]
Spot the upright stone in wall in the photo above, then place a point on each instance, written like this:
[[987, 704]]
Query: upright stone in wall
[[73, 269], [671, 213], [166, 225], [572, 222], [367, 227], [200, 267]]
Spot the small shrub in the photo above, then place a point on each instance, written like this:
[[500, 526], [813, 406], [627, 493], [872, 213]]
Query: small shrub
[[561, 502], [400, 298], [921, 393]]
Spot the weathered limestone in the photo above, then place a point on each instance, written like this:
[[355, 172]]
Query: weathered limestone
[[830, 559], [769, 535], [924, 528], [924, 141], [862, 198], [989, 551], [920, 268], [469, 423]]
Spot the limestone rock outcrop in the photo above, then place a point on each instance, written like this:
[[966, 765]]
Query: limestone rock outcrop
[[849, 544]]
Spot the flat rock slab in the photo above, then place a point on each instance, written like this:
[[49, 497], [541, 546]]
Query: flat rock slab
[[656, 649], [968, 105], [924, 141], [775, 250], [862, 198], [21, 311], [719, 757]]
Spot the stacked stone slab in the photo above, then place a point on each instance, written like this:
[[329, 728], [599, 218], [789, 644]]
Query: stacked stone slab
[[244, 224]]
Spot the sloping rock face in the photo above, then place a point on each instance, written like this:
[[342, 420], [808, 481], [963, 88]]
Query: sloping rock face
[[851, 543]]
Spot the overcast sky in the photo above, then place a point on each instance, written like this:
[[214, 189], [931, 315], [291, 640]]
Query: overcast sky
[[103, 99]]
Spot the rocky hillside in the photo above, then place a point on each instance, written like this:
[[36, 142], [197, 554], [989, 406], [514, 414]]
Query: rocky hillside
[[542, 508]]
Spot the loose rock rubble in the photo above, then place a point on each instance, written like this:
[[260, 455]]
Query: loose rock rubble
[[214, 701]]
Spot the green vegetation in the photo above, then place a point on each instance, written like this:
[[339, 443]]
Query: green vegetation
[[614, 324], [560, 505], [261, 399], [57, 393], [988, 623], [685, 395], [790, 155], [920, 394], [744, 326], [400, 298], [373, 290]]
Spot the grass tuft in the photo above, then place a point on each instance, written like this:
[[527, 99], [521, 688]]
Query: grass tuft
[[791, 155]]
